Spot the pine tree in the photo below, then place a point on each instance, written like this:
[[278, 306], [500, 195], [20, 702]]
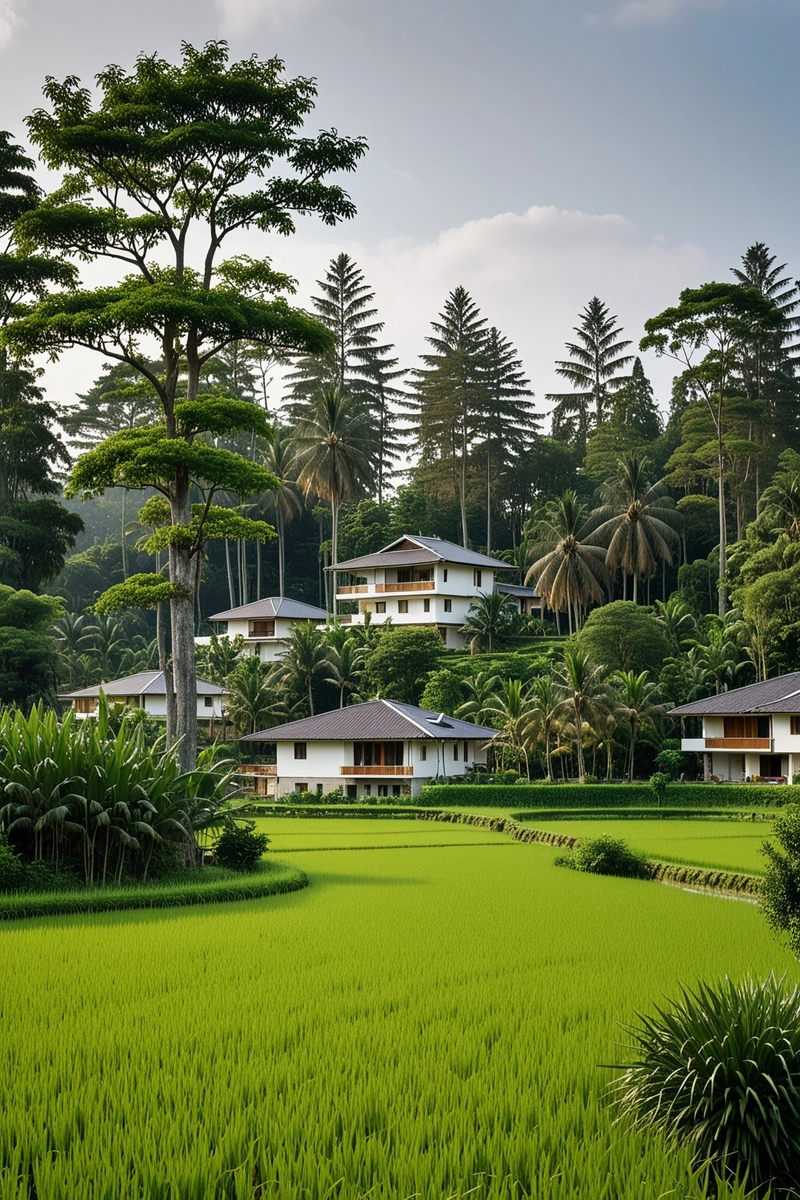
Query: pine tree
[[506, 423], [357, 364], [595, 369], [449, 391]]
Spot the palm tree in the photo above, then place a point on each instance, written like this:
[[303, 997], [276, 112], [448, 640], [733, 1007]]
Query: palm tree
[[569, 568], [304, 662], [511, 708], [478, 706], [781, 503], [334, 454], [678, 622], [488, 618], [251, 687], [635, 701], [637, 521], [283, 502], [345, 666], [545, 708], [585, 694]]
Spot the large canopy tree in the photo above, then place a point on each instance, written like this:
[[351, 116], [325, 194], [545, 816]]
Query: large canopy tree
[[708, 332], [159, 171]]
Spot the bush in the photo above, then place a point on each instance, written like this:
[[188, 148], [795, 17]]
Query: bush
[[240, 847], [671, 763], [780, 893], [607, 855], [17, 875], [719, 1070], [606, 795], [659, 784]]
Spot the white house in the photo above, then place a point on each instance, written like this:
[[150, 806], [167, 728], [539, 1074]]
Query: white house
[[382, 748], [525, 598], [751, 732], [417, 581], [145, 690], [265, 625]]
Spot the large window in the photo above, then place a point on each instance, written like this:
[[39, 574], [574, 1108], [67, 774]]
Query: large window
[[300, 750], [377, 754], [262, 629], [747, 727]]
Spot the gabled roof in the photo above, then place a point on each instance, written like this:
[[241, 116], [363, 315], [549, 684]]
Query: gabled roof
[[410, 551], [515, 589], [377, 719], [144, 683], [273, 606], [773, 695]]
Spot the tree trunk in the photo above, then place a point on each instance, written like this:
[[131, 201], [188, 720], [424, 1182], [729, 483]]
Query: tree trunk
[[488, 500], [229, 568], [723, 533], [182, 569], [579, 744], [281, 547], [462, 492]]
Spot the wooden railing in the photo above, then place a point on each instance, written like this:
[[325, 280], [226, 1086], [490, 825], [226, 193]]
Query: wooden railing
[[738, 743], [416, 585], [257, 769], [409, 770], [352, 589]]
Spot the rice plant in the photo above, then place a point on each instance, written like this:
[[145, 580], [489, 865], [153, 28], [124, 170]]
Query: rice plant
[[718, 1070]]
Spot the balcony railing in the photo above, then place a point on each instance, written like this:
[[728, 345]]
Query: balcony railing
[[738, 743], [409, 770], [352, 589], [257, 769], [416, 585]]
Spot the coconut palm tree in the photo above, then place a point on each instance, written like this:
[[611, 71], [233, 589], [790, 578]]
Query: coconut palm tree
[[481, 690], [345, 666], [569, 567], [636, 699], [304, 662], [334, 454], [585, 694], [678, 621], [251, 687], [488, 618], [780, 503], [511, 711], [283, 503], [638, 521], [545, 708]]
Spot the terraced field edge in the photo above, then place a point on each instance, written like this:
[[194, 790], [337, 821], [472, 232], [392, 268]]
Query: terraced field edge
[[272, 880]]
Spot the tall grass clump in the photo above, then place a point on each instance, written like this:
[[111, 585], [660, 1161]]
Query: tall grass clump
[[605, 855], [718, 1070], [99, 804]]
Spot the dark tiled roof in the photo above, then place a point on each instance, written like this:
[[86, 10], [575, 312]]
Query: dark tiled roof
[[413, 551], [773, 695], [378, 719], [273, 606], [514, 589], [145, 683]]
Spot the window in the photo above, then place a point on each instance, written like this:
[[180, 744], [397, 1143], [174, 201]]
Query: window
[[352, 791], [402, 606], [377, 754], [466, 751], [300, 750], [795, 723], [746, 727], [301, 787], [444, 575], [448, 606], [426, 606], [383, 789], [85, 704], [477, 576], [208, 701], [423, 754], [403, 576], [262, 629], [380, 606], [396, 790], [367, 789], [319, 789], [455, 751]]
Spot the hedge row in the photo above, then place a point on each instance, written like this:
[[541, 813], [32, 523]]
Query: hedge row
[[408, 812], [607, 795], [738, 815], [271, 880]]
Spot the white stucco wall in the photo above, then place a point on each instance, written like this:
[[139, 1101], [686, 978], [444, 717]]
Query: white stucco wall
[[323, 761]]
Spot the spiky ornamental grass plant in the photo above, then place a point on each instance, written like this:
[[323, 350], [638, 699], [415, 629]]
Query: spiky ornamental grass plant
[[719, 1070]]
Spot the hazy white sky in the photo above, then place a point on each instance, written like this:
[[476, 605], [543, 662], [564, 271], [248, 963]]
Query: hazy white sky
[[537, 152]]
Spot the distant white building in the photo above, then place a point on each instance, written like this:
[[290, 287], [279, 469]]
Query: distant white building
[[527, 601], [379, 749], [144, 690], [265, 625], [418, 581], [750, 732]]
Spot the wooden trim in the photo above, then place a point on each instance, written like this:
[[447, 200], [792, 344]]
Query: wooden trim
[[740, 743], [405, 770]]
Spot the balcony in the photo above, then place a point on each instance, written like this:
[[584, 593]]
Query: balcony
[[257, 769], [739, 743], [382, 589], [353, 589], [379, 771]]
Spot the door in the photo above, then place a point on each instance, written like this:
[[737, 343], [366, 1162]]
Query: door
[[770, 766]]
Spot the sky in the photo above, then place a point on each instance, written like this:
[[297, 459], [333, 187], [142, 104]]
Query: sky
[[537, 152]]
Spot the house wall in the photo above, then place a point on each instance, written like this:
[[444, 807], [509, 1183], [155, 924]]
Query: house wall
[[267, 649], [320, 769], [737, 765], [156, 706]]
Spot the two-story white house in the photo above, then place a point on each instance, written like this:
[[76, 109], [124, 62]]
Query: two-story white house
[[750, 732], [379, 749], [265, 624], [146, 690], [417, 581]]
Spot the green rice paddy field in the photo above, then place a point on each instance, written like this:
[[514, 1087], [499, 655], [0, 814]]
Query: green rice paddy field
[[428, 1019]]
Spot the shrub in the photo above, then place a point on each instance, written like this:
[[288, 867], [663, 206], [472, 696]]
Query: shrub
[[606, 855], [719, 1070], [671, 763], [17, 875], [240, 847], [780, 893], [659, 784]]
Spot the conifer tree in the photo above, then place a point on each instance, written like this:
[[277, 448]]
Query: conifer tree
[[595, 368], [449, 391]]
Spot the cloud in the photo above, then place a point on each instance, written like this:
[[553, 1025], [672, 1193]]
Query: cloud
[[10, 20], [531, 274], [240, 15], [650, 12]]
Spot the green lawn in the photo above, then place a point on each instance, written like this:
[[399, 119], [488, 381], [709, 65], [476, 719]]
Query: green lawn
[[724, 845], [426, 1022]]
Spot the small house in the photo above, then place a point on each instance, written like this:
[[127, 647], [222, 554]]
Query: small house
[[145, 690], [266, 625]]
